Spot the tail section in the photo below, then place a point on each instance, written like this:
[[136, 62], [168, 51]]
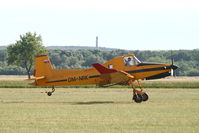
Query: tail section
[[43, 66]]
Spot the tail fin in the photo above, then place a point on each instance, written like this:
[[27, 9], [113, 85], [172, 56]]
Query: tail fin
[[43, 66]]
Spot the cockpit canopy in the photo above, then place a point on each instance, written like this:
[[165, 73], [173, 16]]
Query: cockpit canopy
[[119, 62], [131, 60]]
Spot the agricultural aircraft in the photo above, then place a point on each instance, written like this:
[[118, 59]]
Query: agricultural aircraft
[[123, 70]]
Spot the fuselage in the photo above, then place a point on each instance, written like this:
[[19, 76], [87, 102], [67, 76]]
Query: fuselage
[[139, 70]]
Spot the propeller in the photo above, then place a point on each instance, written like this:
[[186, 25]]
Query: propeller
[[173, 67]]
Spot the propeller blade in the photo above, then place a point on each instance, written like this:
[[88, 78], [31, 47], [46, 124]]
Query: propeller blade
[[172, 72], [173, 67]]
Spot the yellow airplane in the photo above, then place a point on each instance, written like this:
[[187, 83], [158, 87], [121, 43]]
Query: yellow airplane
[[118, 71]]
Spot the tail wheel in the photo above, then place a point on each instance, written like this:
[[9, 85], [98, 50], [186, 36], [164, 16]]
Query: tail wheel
[[49, 93], [145, 97], [137, 98]]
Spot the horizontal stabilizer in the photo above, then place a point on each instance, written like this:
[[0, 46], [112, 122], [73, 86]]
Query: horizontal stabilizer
[[37, 78], [103, 70]]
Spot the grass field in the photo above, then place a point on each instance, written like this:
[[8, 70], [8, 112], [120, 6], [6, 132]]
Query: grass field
[[94, 110]]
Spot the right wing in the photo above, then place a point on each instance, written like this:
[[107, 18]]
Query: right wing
[[103, 70], [112, 76]]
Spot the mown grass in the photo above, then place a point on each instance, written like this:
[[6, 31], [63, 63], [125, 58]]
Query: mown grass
[[171, 82], [98, 110]]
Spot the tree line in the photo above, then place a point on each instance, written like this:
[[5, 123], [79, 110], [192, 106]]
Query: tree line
[[186, 60]]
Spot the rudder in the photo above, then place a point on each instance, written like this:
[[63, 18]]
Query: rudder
[[43, 66]]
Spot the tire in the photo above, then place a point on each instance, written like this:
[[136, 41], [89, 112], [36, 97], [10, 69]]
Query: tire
[[137, 98], [49, 93], [145, 97]]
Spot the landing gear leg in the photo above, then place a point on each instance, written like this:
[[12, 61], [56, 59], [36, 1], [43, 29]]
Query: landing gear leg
[[144, 95], [136, 96], [49, 93]]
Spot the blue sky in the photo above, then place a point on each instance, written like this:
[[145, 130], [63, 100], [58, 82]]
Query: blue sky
[[124, 24]]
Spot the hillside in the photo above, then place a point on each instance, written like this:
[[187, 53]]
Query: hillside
[[78, 48], [2, 47], [72, 48]]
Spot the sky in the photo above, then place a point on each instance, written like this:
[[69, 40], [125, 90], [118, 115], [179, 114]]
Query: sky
[[123, 24]]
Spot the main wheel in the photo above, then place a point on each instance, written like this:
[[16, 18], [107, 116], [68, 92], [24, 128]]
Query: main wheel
[[137, 98], [49, 93], [145, 97]]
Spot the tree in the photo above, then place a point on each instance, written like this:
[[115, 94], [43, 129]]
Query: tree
[[92, 59], [23, 52]]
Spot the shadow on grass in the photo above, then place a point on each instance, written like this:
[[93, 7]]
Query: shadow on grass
[[94, 102], [63, 102]]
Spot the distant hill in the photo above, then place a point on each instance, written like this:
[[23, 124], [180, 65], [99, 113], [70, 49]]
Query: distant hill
[[71, 48], [2, 47], [79, 47]]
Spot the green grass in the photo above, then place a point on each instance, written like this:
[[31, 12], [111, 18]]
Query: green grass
[[170, 84], [98, 110], [15, 84]]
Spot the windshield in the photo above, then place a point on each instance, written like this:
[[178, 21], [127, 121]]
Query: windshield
[[136, 60]]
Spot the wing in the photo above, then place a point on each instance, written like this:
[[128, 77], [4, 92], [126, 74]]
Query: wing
[[103, 70], [112, 76]]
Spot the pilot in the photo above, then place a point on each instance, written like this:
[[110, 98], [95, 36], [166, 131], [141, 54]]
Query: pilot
[[128, 62]]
